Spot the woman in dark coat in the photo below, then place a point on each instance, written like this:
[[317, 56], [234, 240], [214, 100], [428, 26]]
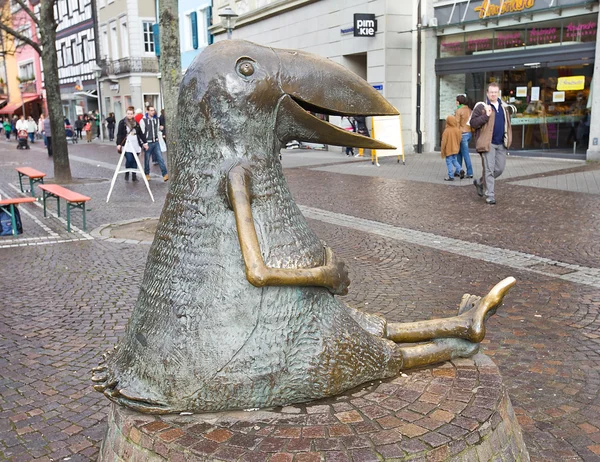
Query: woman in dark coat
[[110, 124], [131, 139]]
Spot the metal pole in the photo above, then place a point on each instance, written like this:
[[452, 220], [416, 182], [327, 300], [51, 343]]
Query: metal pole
[[21, 87], [100, 108], [418, 127]]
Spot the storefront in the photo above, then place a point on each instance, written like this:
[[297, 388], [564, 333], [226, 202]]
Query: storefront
[[541, 53]]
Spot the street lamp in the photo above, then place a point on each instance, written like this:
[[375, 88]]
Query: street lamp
[[97, 70], [228, 18], [22, 89]]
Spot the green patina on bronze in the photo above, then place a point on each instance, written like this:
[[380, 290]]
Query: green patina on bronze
[[237, 308]]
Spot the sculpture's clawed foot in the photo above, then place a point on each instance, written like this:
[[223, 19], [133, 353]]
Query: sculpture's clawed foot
[[478, 310], [106, 382]]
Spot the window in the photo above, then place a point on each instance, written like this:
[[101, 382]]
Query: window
[[202, 28], [74, 57], [84, 46], [26, 71], [114, 43], [148, 37], [104, 52], [124, 38]]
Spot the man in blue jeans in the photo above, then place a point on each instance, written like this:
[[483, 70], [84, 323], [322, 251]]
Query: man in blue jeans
[[150, 127]]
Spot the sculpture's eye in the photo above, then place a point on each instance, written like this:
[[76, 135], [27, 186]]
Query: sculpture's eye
[[246, 68]]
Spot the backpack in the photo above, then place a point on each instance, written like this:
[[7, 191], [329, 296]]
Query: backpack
[[6, 225]]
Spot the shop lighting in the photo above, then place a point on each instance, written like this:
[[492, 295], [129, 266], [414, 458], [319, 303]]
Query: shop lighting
[[532, 64]]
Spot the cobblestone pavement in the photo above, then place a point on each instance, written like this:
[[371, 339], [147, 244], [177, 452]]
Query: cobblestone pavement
[[67, 298]]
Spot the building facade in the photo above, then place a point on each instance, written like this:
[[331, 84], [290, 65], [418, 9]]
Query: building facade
[[194, 22], [542, 55], [386, 60], [130, 73], [76, 47], [21, 87]]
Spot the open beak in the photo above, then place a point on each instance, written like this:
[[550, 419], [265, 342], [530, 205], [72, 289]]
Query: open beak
[[312, 83]]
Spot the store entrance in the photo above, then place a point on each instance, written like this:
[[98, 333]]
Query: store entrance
[[551, 113]]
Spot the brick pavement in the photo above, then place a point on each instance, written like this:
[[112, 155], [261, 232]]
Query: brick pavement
[[66, 303]]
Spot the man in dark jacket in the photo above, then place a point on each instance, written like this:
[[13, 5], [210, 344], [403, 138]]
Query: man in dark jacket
[[493, 136]]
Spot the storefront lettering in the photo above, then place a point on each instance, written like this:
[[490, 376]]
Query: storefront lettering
[[543, 35], [487, 9], [507, 40], [452, 46], [574, 31], [479, 44]]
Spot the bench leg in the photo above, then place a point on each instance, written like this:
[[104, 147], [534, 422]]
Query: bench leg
[[58, 205], [45, 195], [21, 181], [84, 230], [68, 217], [31, 183], [13, 221]]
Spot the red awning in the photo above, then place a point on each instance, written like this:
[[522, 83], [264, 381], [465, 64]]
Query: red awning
[[18, 107]]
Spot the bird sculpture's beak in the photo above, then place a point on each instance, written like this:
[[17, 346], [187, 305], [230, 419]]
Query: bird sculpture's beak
[[315, 84]]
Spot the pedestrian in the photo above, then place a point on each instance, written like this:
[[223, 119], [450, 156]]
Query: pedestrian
[[139, 115], [493, 137], [79, 124], [451, 139], [110, 124], [21, 124], [462, 114], [88, 131], [351, 127], [15, 119], [97, 123], [31, 129], [48, 135], [131, 139], [40, 128], [7, 127], [150, 126]]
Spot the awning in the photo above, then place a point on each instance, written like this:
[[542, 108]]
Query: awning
[[87, 94], [18, 107]]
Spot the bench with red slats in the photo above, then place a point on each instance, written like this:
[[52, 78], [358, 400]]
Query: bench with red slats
[[8, 205], [73, 199], [35, 176]]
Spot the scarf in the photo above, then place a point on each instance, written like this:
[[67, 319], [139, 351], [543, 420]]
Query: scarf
[[130, 124]]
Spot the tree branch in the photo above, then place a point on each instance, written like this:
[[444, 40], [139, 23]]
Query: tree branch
[[26, 9], [19, 36]]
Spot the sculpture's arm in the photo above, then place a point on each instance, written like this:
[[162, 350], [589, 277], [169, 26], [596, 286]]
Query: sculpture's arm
[[333, 275]]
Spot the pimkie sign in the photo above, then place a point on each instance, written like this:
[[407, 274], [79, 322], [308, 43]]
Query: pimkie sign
[[365, 25], [487, 9]]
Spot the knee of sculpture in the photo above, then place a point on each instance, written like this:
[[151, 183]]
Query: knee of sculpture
[[237, 306]]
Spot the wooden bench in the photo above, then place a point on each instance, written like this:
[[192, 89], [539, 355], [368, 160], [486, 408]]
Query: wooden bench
[[8, 205], [73, 199], [35, 176]]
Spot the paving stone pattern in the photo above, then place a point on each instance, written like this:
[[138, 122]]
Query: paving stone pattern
[[456, 411], [65, 303]]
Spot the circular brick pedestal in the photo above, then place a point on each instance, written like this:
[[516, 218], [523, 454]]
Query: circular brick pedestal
[[455, 411]]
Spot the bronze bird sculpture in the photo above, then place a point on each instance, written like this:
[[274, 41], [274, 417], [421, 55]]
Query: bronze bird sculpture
[[236, 307]]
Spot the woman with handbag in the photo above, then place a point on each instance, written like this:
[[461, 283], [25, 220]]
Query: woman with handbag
[[131, 139]]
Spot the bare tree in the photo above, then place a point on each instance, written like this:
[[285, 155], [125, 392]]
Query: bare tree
[[170, 66], [46, 25]]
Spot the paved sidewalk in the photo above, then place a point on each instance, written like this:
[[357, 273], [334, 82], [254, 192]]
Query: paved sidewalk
[[413, 243]]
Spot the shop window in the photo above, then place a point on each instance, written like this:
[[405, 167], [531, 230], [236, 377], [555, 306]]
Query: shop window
[[509, 38], [452, 45]]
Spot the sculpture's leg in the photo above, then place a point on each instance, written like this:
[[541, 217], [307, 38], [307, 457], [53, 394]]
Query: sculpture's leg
[[437, 351], [469, 325]]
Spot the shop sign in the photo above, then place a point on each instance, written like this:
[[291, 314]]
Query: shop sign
[[477, 10], [576, 82], [508, 39], [538, 36], [365, 25], [585, 32], [487, 8]]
